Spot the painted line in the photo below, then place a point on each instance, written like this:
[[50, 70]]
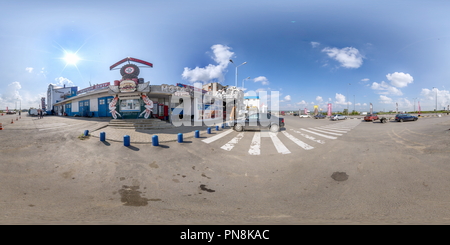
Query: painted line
[[325, 132], [298, 142], [228, 146], [326, 136], [278, 145], [309, 137], [216, 137], [255, 147], [332, 130]]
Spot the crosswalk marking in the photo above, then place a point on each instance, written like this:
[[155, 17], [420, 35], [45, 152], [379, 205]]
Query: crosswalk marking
[[298, 142], [323, 135], [255, 147], [326, 132], [309, 137], [278, 145], [216, 137], [332, 130], [228, 146]]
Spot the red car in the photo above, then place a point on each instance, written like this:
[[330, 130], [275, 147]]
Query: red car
[[371, 117]]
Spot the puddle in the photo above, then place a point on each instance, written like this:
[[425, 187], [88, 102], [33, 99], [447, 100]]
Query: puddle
[[130, 196], [339, 176], [203, 188]]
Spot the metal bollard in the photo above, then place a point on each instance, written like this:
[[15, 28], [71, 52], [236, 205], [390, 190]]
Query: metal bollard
[[208, 130], [102, 136], [126, 140], [155, 140], [86, 132], [180, 137], [197, 134], [217, 128]]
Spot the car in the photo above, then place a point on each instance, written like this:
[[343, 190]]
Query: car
[[295, 114], [319, 116], [303, 115], [338, 117], [11, 112], [259, 121], [405, 117], [371, 117]]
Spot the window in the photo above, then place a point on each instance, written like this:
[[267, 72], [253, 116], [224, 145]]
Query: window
[[101, 101], [130, 105]]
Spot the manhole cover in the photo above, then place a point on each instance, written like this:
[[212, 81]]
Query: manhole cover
[[339, 176]]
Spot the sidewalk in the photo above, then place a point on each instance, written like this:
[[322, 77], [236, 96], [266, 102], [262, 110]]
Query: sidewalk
[[164, 135]]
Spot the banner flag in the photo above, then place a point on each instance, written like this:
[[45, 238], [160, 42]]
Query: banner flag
[[371, 108], [329, 110]]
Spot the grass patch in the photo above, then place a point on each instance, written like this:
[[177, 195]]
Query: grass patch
[[83, 137]]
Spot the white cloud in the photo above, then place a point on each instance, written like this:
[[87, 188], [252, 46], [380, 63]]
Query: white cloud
[[400, 79], [429, 95], [262, 79], [10, 96], [61, 81], [287, 98], [385, 100], [315, 44], [385, 88], [319, 99], [365, 79], [303, 102], [29, 69], [365, 104], [222, 56], [349, 57], [340, 100]]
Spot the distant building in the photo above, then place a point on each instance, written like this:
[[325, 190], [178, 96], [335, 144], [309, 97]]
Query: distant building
[[56, 94]]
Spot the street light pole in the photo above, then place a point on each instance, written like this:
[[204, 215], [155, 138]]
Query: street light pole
[[436, 100], [243, 83], [414, 104], [235, 81], [347, 97]]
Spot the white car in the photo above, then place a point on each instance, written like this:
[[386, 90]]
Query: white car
[[338, 117], [303, 115]]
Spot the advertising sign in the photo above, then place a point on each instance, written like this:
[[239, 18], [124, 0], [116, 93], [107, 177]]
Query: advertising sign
[[329, 110], [96, 86]]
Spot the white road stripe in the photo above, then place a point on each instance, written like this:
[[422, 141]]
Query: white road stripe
[[280, 147], [326, 136], [325, 132], [228, 146], [216, 137], [309, 137], [298, 142], [255, 147], [332, 130]]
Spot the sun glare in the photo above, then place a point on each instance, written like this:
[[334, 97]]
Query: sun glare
[[71, 58]]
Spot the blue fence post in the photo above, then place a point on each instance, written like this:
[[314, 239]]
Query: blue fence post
[[86, 132], [155, 140], [197, 134], [102, 136], [217, 128], [208, 130], [180, 137], [126, 140]]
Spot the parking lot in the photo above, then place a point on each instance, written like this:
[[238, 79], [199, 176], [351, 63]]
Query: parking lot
[[363, 173]]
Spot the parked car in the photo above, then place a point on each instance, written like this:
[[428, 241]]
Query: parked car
[[319, 116], [371, 117], [303, 115], [257, 121], [11, 112], [338, 117], [405, 117]]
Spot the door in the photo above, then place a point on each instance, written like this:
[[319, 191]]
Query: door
[[102, 107]]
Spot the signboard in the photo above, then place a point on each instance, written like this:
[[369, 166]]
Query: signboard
[[329, 110], [96, 86]]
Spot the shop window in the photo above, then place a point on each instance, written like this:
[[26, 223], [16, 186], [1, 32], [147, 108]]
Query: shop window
[[130, 105]]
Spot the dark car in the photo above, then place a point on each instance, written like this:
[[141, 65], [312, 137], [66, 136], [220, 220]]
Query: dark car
[[320, 116], [405, 117], [371, 117], [259, 121]]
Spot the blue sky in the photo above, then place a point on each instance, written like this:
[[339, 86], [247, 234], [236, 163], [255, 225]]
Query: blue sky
[[348, 53]]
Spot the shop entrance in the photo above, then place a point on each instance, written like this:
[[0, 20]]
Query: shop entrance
[[84, 108], [103, 106]]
